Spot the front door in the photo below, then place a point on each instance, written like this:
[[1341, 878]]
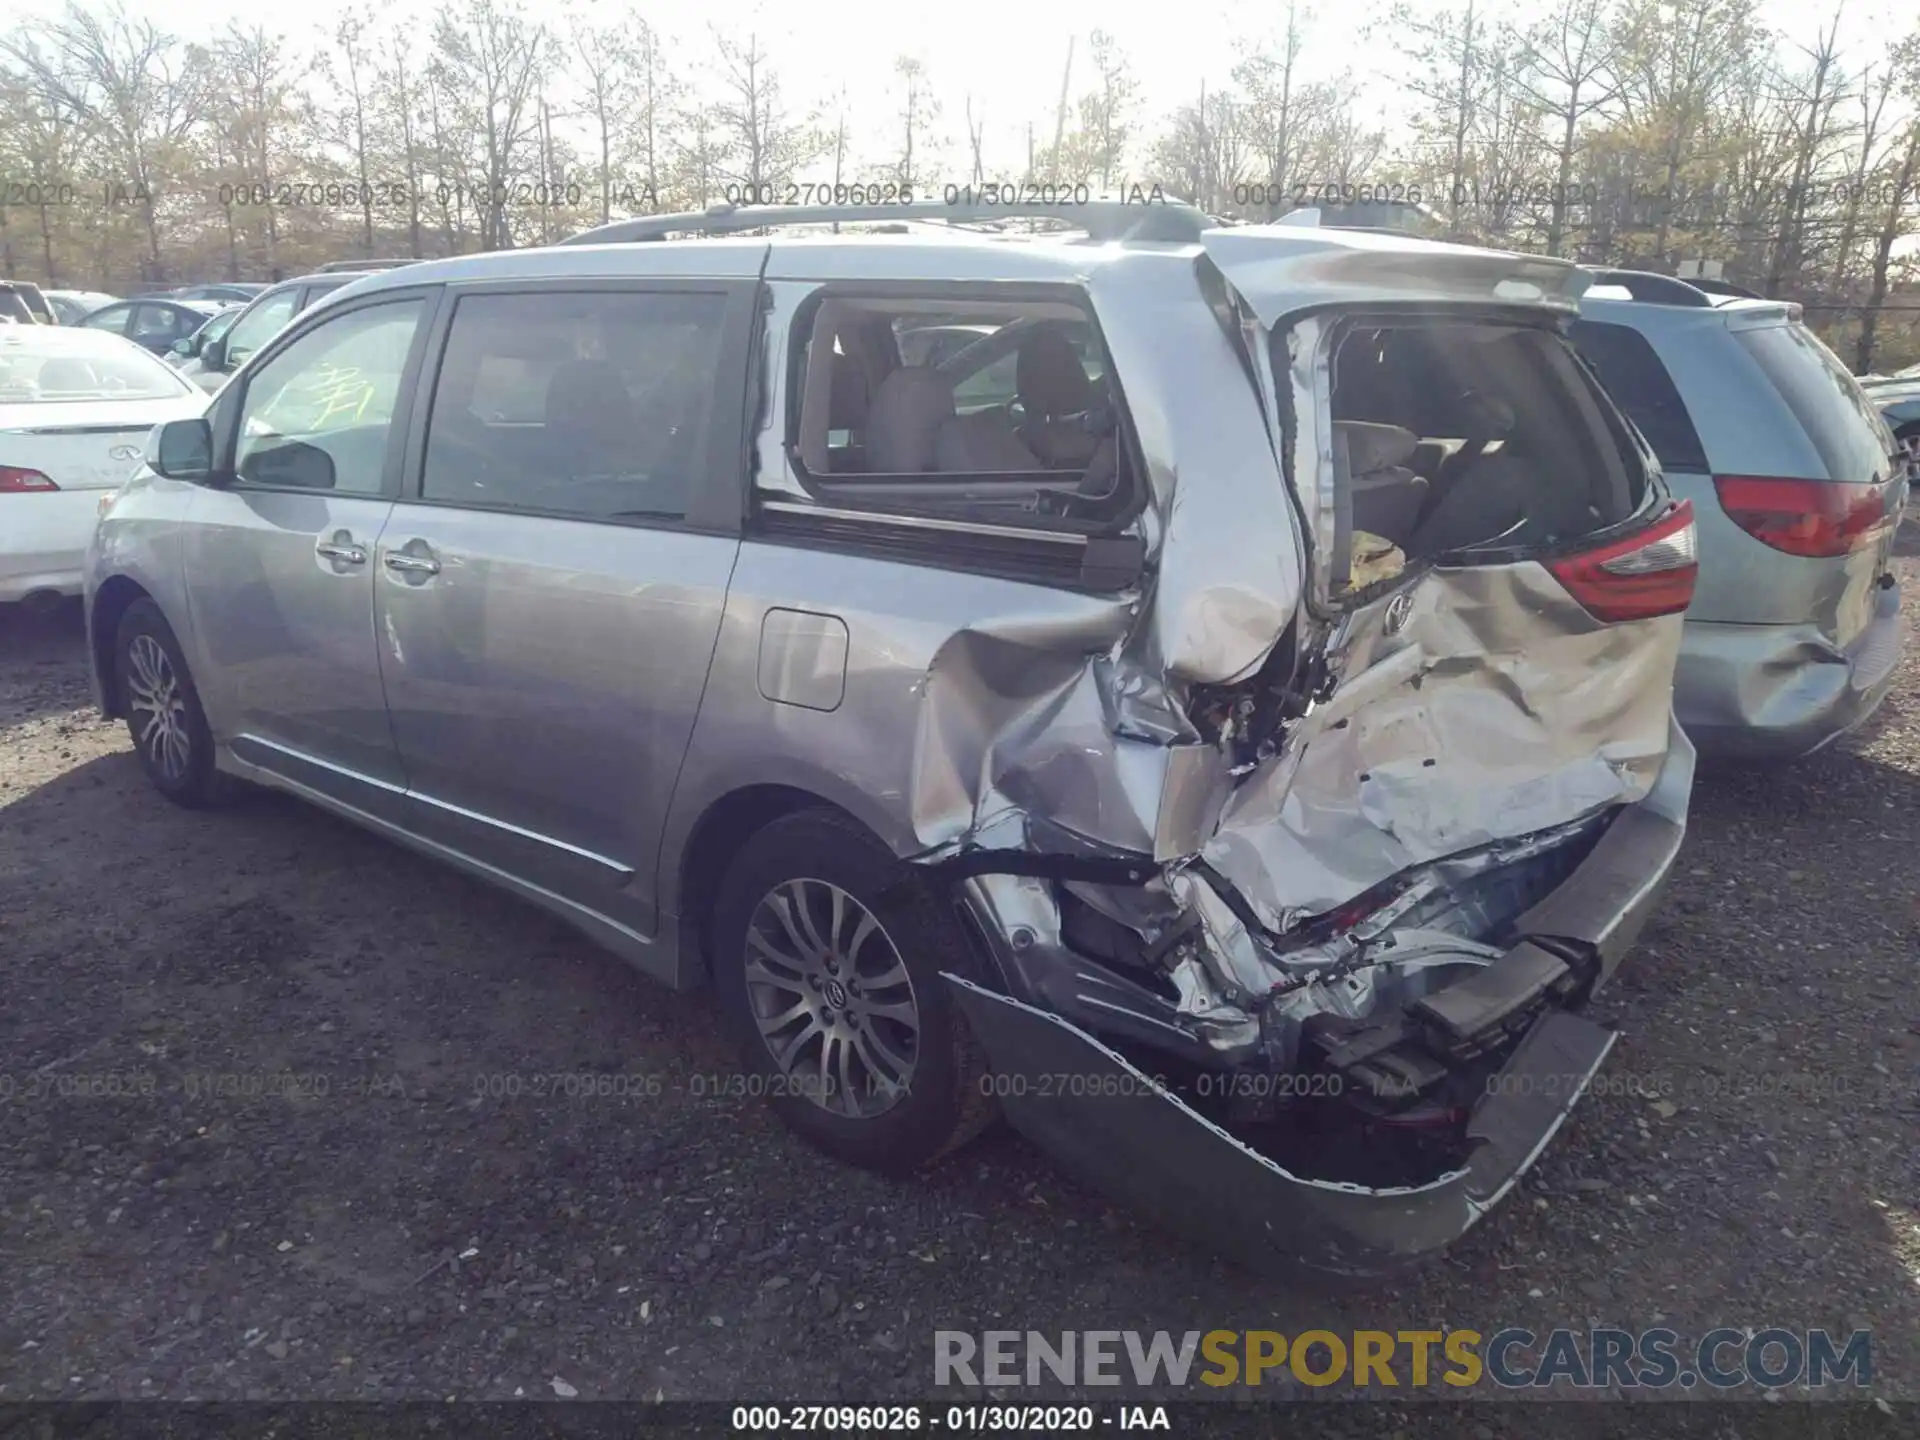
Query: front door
[[280, 562], [548, 598]]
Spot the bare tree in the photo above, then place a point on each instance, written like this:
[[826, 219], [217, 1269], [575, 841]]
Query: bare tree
[[400, 88], [1873, 93], [1569, 76], [1677, 61], [489, 58], [138, 88], [1899, 180], [1204, 153], [918, 111], [976, 132], [1265, 78], [42, 146], [762, 144], [1815, 104], [1452, 50], [350, 36], [618, 63], [1105, 114]]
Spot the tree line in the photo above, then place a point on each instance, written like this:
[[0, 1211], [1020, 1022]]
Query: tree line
[[1623, 132]]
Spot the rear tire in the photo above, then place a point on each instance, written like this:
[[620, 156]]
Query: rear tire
[[157, 695], [836, 998]]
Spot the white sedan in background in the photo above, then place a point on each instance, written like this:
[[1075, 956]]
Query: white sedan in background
[[76, 406]]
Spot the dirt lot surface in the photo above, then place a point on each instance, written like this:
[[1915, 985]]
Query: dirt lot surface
[[250, 1144]]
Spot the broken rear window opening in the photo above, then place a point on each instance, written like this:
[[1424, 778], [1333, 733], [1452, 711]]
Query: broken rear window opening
[[1003, 411], [1467, 436]]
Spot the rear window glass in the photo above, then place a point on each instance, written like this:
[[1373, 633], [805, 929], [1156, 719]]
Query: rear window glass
[[1641, 386], [1823, 396], [107, 369]]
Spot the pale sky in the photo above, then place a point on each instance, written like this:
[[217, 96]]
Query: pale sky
[[1008, 54]]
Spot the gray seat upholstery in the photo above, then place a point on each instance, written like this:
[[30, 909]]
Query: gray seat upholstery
[[848, 407], [913, 429], [981, 444], [907, 412], [1387, 494], [1053, 388]]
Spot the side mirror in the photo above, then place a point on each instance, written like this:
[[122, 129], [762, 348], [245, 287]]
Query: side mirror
[[181, 450], [213, 354], [292, 465], [183, 346]]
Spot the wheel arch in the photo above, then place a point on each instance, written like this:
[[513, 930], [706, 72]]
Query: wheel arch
[[110, 603], [724, 825]]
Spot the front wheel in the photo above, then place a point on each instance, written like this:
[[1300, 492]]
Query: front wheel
[[827, 958], [169, 729]]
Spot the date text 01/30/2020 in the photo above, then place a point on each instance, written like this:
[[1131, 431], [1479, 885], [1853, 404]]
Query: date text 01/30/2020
[[998, 1419]]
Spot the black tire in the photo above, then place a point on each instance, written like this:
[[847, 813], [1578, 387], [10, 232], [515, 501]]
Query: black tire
[[190, 780], [944, 1101]]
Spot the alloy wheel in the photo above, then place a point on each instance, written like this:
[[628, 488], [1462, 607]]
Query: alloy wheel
[[832, 1000], [159, 708]]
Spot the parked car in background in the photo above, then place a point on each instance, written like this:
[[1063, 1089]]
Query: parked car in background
[[36, 302], [1897, 398], [210, 359], [1105, 744], [1795, 625], [13, 305], [70, 307], [185, 352], [155, 325], [228, 293], [76, 406]]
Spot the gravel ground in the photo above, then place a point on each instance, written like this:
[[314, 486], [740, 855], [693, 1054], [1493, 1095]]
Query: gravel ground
[[381, 1229]]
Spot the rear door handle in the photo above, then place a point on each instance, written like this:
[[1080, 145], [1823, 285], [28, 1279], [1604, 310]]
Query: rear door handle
[[343, 548], [404, 563]]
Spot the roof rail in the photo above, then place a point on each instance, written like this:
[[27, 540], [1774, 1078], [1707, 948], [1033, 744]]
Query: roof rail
[[1173, 220], [1652, 289], [342, 267]]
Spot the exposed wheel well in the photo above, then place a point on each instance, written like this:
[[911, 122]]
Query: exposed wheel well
[[721, 831], [110, 602]]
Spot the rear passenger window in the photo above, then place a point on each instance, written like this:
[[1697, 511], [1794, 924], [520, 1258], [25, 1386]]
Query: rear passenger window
[[1824, 397], [591, 404], [1641, 386], [990, 409]]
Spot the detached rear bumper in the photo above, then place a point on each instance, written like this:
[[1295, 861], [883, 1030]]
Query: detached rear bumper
[[1778, 692], [1108, 1121]]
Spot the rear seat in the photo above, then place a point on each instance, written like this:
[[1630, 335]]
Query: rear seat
[[1371, 461]]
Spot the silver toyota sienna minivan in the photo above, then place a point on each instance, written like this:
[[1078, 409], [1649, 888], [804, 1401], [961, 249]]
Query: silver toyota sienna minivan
[[1145, 718]]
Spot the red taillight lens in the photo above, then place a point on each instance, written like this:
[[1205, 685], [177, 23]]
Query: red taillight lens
[[1648, 573], [1804, 517], [15, 481]]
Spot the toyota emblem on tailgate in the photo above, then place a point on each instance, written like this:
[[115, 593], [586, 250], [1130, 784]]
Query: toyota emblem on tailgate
[[1399, 611], [124, 452]]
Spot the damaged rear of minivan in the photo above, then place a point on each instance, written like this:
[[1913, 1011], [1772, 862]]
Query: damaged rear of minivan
[[1398, 707]]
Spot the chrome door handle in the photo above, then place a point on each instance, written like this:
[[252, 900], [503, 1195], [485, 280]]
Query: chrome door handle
[[410, 564], [344, 550]]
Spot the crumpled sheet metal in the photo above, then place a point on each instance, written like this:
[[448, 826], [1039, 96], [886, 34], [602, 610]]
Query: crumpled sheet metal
[[1228, 577], [1074, 713], [1449, 734]]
